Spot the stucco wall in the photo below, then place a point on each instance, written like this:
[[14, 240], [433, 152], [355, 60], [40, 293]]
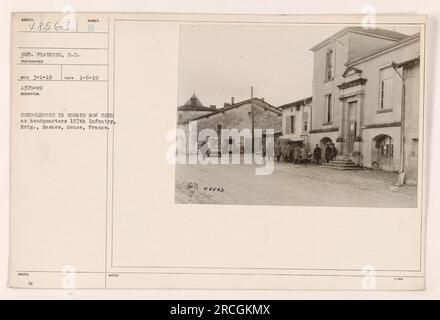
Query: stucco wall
[[371, 104], [316, 138], [236, 118], [321, 87], [367, 140], [240, 118], [371, 71], [345, 48], [302, 115], [265, 119]]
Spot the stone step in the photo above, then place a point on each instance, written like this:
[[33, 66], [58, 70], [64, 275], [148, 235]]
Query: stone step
[[329, 166], [342, 168], [342, 165], [341, 161], [331, 163]]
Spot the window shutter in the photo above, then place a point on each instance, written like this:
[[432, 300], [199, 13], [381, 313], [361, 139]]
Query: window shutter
[[329, 64], [386, 88], [387, 93]]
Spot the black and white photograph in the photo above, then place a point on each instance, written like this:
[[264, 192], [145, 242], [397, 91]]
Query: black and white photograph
[[299, 115]]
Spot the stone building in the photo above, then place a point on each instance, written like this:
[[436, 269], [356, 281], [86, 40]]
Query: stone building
[[249, 114], [366, 98], [296, 122], [193, 108]]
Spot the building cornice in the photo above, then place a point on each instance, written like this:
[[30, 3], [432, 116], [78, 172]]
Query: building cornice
[[324, 130], [352, 83], [301, 102], [381, 125], [347, 30]]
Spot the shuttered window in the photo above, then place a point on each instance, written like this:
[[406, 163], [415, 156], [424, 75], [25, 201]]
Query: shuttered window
[[292, 124], [386, 89], [329, 65], [328, 108]]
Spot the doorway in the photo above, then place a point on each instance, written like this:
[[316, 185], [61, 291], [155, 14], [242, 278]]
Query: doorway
[[382, 152], [323, 143], [351, 125]]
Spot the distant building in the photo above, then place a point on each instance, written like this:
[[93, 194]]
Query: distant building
[[249, 114], [366, 98], [296, 122], [193, 108]]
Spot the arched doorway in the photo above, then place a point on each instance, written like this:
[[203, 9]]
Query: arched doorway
[[382, 152], [322, 144]]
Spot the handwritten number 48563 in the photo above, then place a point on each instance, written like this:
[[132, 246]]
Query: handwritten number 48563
[[50, 26]]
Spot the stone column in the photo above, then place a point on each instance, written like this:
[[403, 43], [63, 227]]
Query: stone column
[[357, 150], [343, 132], [339, 146]]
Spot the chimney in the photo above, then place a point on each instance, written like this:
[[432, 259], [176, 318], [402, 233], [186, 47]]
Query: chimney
[[262, 99], [232, 100], [213, 106]]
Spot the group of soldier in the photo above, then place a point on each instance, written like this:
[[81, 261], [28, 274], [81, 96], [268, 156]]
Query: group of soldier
[[292, 153], [295, 153]]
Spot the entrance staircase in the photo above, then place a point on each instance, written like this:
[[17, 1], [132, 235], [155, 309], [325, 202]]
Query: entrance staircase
[[342, 163]]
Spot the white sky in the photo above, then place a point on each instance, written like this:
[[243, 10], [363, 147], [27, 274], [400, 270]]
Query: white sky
[[218, 62]]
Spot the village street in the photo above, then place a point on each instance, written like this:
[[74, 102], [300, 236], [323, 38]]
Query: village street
[[297, 185]]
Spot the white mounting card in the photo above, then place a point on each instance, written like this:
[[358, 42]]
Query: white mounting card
[[217, 151]]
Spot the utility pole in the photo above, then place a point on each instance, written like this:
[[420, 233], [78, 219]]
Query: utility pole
[[402, 124], [252, 126], [252, 119]]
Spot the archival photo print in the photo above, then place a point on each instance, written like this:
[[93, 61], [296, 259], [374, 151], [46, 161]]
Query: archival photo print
[[299, 115]]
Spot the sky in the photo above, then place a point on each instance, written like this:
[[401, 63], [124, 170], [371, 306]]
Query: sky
[[217, 62]]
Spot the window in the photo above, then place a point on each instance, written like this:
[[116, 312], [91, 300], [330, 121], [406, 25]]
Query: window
[[415, 147], [385, 89], [328, 108], [305, 117], [386, 148], [329, 65], [292, 124]]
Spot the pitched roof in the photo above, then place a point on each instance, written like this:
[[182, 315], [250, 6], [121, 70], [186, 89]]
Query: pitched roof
[[373, 53], [305, 101], [376, 32], [380, 32], [193, 104], [258, 101]]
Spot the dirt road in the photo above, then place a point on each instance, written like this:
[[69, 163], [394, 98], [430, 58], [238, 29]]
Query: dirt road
[[300, 185]]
